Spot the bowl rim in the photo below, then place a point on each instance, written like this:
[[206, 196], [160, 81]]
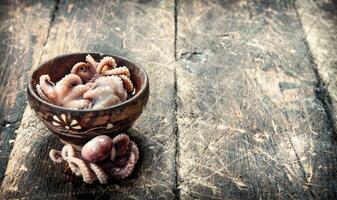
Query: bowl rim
[[124, 103]]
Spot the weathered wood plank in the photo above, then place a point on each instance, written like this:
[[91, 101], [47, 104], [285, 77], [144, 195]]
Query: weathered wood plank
[[143, 31], [319, 19], [250, 125], [23, 31]]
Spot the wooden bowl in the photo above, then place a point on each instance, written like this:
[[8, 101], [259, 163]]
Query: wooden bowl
[[77, 127]]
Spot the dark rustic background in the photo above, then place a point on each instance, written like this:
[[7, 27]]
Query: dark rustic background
[[242, 105]]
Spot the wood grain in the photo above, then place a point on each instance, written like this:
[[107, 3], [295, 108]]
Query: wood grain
[[130, 29], [319, 19], [250, 123], [23, 31], [255, 118]]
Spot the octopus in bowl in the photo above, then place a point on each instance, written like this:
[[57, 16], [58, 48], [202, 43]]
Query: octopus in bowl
[[90, 85]]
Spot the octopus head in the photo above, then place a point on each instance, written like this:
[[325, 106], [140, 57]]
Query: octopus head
[[105, 92]]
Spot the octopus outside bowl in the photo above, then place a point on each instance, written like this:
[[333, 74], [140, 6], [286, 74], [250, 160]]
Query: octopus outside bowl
[[76, 127]]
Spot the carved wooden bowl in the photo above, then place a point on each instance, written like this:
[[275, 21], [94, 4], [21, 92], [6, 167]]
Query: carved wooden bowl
[[77, 127]]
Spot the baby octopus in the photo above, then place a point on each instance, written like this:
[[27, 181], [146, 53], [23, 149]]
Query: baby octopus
[[90, 85], [68, 92], [106, 91], [100, 158]]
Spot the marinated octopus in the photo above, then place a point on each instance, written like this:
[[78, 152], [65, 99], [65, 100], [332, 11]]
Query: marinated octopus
[[90, 85]]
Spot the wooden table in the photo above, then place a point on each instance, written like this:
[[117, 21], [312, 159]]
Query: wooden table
[[242, 106]]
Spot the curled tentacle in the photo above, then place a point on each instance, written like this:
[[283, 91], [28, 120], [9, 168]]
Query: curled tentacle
[[90, 60], [70, 91], [80, 167], [134, 149], [70, 80], [99, 172], [48, 88], [118, 71], [84, 70], [107, 63], [55, 156], [81, 66], [127, 83], [68, 151], [41, 93], [121, 144], [121, 173]]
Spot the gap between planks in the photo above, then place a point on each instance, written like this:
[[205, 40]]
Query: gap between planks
[[51, 23], [176, 190], [322, 93]]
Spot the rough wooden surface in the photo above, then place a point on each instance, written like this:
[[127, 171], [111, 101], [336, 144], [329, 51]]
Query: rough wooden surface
[[23, 31], [241, 105], [319, 19], [250, 124], [129, 29]]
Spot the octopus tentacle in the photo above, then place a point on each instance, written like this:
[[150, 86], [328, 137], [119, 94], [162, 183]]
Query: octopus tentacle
[[70, 80], [78, 66], [70, 91], [113, 153], [48, 87], [55, 155], [41, 93], [121, 173], [84, 70], [94, 78], [68, 151], [134, 149], [75, 95], [90, 60], [121, 144], [82, 169], [99, 172], [118, 71], [127, 83], [107, 63], [78, 104], [46, 78]]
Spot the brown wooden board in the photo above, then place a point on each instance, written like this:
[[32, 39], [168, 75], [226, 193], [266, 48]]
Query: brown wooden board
[[250, 123], [255, 119], [142, 31], [23, 31]]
